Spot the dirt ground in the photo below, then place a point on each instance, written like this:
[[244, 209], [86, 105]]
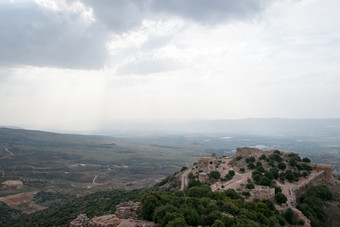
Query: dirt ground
[[13, 183], [22, 202]]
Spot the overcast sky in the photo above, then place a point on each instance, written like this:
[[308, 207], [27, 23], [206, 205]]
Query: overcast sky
[[82, 64]]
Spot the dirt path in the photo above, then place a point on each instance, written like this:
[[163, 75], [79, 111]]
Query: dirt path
[[94, 180], [9, 153], [184, 179]]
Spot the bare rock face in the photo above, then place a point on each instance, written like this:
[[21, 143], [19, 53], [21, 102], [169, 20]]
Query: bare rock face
[[80, 221], [127, 215], [105, 221], [129, 210]]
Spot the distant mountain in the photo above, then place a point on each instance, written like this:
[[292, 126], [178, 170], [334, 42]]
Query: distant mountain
[[259, 126]]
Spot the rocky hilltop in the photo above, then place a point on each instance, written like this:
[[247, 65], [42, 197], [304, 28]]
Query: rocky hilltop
[[252, 188], [269, 175]]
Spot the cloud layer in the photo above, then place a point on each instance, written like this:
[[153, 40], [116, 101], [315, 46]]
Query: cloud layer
[[82, 64]]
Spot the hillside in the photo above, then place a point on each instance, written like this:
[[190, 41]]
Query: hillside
[[215, 195]]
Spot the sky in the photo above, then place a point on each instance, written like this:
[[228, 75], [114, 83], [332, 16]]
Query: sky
[[83, 64]]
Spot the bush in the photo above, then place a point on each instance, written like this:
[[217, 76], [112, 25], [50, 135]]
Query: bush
[[306, 160], [265, 181], [150, 202], [250, 159], [280, 198], [282, 166], [184, 168], [251, 166], [275, 157], [231, 172], [263, 157], [247, 194], [277, 189], [250, 186], [214, 175], [277, 152], [242, 170], [177, 222], [238, 158], [292, 162]]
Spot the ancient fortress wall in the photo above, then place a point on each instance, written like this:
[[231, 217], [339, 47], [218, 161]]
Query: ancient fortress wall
[[249, 151], [322, 176]]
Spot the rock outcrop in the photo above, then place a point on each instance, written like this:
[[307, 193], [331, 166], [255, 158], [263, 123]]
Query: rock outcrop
[[127, 215], [81, 221]]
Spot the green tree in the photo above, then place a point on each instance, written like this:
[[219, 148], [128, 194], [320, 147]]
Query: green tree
[[214, 175], [218, 223], [177, 222], [280, 198], [150, 202]]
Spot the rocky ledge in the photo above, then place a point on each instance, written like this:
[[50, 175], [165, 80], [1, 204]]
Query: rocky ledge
[[127, 215]]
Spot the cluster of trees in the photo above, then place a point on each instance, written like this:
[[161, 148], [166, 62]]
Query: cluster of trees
[[51, 198], [7, 214], [311, 204], [198, 205], [96, 204]]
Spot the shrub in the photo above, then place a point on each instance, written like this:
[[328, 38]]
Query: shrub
[[238, 158], [184, 168], [277, 189], [251, 166], [275, 157], [265, 181], [242, 170], [231, 172], [292, 162], [260, 169], [280, 198], [250, 186], [214, 175], [250, 159], [277, 152], [218, 223], [247, 194], [263, 157], [306, 160], [274, 172]]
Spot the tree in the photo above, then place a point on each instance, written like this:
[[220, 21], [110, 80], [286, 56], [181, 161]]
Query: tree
[[306, 160], [250, 186], [280, 198], [177, 222], [214, 175], [150, 202], [218, 223], [263, 157]]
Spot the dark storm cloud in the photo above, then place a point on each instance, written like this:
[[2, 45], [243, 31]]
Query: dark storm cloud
[[38, 36], [32, 35], [120, 16]]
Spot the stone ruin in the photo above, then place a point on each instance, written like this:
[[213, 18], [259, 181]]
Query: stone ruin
[[127, 215], [81, 221]]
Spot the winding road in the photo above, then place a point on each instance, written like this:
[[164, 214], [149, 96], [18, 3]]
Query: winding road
[[184, 179], [9, 153]]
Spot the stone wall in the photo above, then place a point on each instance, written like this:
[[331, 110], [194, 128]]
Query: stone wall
[[249, 151], [320, 177]]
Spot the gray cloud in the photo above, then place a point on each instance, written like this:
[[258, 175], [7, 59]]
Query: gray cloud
[[120, 16], [145, 67], [212, 11], [38, 36], [32, 35]]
